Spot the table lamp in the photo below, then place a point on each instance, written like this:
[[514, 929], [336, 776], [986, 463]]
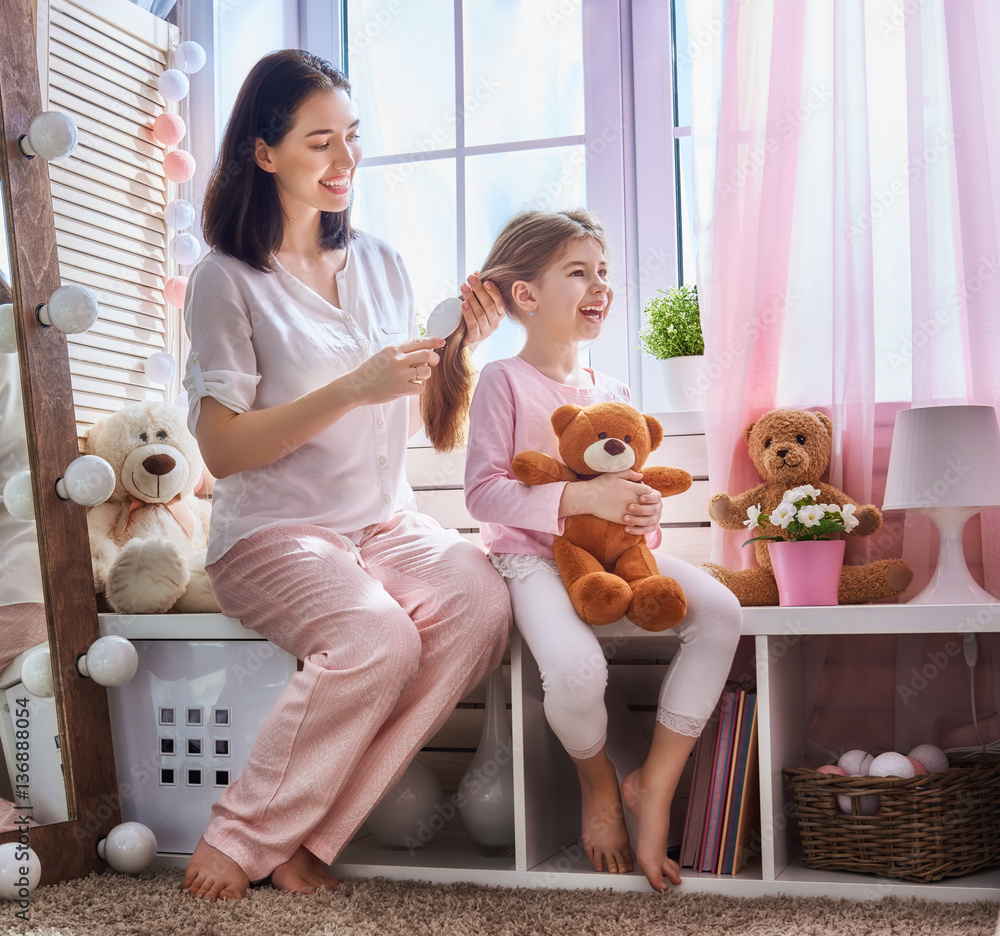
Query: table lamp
[[945, 464]]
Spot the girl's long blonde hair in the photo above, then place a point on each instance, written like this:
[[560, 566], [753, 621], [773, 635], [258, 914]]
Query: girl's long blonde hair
[[528, 245]]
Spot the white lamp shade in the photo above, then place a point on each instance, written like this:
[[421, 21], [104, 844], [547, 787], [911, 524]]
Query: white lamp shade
[[189, 57], [17, 497], [14, 885], [179, 214], [110, 661], [129, 847], [944, 456], [8, 334], [51, 135], [185, 248], [173, 85], [88, 480], [70, 309], [36, 673]]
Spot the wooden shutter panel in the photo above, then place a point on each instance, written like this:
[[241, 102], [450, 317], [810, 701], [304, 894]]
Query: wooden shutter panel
[[103, 59]]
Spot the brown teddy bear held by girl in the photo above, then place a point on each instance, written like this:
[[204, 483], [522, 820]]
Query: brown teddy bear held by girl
[[791, 448]]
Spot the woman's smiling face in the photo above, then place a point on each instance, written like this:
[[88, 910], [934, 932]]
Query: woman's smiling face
[[314, 162]]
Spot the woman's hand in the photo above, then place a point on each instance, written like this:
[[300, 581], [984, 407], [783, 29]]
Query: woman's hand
[[396, 371], [616, 497], [482, 309]]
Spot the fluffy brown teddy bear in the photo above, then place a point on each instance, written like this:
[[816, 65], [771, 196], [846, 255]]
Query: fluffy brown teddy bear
[[791, 448], [148, 540], [608, 573]]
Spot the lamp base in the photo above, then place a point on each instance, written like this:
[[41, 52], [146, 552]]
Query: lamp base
[[952, 582]]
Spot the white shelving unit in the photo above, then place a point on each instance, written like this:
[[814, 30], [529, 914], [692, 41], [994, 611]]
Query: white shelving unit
[[547, 804]]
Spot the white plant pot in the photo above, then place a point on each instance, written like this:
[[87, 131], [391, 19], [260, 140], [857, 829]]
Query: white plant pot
[[683, 382]]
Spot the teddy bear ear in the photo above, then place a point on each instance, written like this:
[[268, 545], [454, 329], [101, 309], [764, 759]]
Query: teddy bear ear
[[90, 439], [655, 432], [563, 416], [747, 431], [827, 422]]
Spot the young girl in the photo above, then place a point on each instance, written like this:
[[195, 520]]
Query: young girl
[[551, 271]]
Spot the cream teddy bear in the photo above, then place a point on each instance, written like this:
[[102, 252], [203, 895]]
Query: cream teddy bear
[[148, 541]]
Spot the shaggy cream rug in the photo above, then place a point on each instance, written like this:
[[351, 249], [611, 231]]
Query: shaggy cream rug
[[153, 905]]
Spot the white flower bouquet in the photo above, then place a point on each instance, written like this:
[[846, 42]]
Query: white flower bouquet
[[801, 516]]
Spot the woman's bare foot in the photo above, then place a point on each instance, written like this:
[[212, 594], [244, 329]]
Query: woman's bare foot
[[213, 875], [605, 838], [303, 873], [650, 803]]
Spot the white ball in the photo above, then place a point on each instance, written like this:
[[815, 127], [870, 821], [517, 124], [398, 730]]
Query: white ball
[[189, 57], [88, 480], [160, 368], [856, 762], [179, 214], [181, 400], [52, 135], [173, 85], [110, 661], [17, 496], [933, 758], [129, 848], [406, 816], [891, 764], [70, 309], [869, 803], [185, 248], [15, 858], [36, 673]]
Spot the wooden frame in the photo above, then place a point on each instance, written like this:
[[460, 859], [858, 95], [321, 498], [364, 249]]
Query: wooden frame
[[66, 849]]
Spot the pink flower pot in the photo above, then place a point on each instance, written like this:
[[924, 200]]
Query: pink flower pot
[[807, 572]]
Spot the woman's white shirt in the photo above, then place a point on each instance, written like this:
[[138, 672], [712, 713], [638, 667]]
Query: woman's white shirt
[[262, 339]]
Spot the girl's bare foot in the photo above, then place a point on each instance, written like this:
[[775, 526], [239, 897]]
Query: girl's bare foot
[[605, 838], [213, 875], [650, 803], [303, 873]]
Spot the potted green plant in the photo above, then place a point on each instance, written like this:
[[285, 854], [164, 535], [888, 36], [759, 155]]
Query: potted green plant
[[672, 334]]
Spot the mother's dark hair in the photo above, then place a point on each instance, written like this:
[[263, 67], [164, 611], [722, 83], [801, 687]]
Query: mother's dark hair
[[242, 215]]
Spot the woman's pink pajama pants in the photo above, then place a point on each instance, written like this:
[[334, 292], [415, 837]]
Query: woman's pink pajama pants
[[388, 649]]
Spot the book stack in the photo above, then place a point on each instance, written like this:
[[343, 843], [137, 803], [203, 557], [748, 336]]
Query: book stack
[[723, 808]]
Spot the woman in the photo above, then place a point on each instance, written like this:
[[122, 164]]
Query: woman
[[304, 366]]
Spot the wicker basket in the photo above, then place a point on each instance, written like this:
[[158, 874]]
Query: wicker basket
[[927, 828]]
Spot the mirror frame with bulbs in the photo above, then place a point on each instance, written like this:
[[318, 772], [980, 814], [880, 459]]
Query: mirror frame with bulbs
[[65, 849]]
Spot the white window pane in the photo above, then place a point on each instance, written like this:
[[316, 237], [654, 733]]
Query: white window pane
[[412, 206], [401, 62], [523, 70], [500, 185]]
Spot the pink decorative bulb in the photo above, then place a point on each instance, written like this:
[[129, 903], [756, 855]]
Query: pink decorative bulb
[[178, 166], [169, 129], [174, 289]]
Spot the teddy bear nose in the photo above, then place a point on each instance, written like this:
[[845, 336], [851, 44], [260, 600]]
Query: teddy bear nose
[[782, 453], [159, 464], [614, 447]]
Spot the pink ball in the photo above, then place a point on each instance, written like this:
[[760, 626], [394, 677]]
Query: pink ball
[[174, 289], [832, 769], [169, 129], [178, 165], [919, 770]]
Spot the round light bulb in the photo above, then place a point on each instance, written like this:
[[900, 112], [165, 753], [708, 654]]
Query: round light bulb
[[15, 885], [129, 848], [110, 661], [173, 85], [160, 368], [189, 57], [184, 248], [179, 214], [179, 166], [70, 309], [169, 128], [88, 480], [8, 334], [174, 290], [36, 673], [17, 497], [51, 135]]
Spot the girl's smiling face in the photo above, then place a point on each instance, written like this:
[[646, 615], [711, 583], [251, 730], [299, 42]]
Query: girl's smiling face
[[314, 162], [570, 300]]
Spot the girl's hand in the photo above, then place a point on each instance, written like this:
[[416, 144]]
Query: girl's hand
[[643, 517], [482, 308], [608, 497], [396, 371]]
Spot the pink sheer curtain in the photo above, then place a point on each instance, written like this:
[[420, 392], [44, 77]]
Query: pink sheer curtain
[[805, 263]]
